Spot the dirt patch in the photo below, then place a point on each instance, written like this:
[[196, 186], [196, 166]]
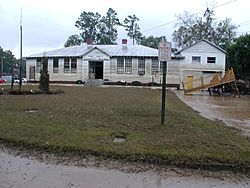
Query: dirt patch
[[31, 110], [119, 140]]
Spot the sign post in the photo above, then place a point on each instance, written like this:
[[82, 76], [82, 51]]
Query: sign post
[[164, 54]]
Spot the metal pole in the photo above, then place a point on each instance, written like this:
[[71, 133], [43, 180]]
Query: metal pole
[[2, 67], [12, 78], [163, 106], [21, 53]]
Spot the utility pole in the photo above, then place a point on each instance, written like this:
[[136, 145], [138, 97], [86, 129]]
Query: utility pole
[[21, 53], [2, 67]]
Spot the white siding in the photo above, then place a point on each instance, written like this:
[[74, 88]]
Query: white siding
[[204, 50], [95, 55], [85, 69], [106, 69], [178, 70], [29, 63]]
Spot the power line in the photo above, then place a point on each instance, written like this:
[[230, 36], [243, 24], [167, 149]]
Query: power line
[[246, 23], [173, 21], [244, 32]]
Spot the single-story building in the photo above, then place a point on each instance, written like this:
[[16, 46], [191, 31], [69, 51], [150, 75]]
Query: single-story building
[[126, 63]]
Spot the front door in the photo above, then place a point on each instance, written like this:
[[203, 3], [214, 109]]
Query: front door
[[96, 69]]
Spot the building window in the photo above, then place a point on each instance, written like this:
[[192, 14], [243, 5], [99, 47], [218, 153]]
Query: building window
[[74, 65], [141, 66], [128, 66], [196, 59], [38, 65], [120, 65], [211, 59], [155, 66], [70, 65], [55, 65], [66, 65]]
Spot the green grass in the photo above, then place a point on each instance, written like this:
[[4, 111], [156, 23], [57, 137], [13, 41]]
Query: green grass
[[86, 120]]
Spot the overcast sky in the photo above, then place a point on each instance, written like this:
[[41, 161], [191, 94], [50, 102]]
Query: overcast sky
[[48, 23]]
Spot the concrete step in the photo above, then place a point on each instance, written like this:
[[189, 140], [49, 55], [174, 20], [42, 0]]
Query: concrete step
[[94, 82]]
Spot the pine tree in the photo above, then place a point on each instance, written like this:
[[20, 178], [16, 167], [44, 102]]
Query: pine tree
[[44, 76]]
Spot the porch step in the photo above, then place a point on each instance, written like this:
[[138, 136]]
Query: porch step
[[94, 82]]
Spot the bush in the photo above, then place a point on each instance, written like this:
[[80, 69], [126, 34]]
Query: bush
[[136, 83], [79, 82], [44, 76], [121, 83], [33, 92], [153, 84]]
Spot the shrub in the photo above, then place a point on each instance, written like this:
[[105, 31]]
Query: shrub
[[136, 83]]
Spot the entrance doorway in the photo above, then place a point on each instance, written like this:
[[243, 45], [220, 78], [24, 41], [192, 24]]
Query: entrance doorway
[[96, 70]]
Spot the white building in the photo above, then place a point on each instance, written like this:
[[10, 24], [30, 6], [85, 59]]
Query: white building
[[126, 63]]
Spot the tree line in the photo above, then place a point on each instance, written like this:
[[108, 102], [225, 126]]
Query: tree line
[[103, 29], [8, 61], [189, 29]]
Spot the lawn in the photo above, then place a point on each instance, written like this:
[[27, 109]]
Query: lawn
[[86, 120]]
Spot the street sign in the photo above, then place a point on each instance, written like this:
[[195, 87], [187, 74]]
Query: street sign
[[164, 51], [164, 55]]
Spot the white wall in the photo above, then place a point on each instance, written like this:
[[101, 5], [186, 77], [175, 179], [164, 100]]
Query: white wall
[[204, 50], [29, 62], [178, 70], [172, 75], [60, 76], [110, 71]]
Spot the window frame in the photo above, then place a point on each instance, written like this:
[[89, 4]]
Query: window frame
[[155, 66], [141, 66], [55, 68], [128, 65], [73, 61], [213, 61], [66, 69], [39, 65], [120, 65], [194, 60]]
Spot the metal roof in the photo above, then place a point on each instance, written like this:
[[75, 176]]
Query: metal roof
[[212, 44], [111, 50]]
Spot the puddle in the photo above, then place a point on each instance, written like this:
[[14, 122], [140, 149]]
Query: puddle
[[233, 111], [119, 139], [22, 172]]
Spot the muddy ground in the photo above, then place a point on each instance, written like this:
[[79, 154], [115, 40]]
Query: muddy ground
[[28, 169], [233, 111]]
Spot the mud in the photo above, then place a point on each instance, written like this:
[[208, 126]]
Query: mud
[[18, 170], [233, 111]]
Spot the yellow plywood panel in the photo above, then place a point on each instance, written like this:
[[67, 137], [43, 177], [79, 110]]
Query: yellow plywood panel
[[190, 82]]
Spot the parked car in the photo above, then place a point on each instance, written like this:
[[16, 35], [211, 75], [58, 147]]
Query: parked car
[[24, 80], [2, 81]]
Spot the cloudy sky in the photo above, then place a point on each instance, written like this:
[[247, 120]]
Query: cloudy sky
[[48, 23]]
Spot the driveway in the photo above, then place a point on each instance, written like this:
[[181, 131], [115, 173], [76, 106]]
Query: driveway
[[233, 111]]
